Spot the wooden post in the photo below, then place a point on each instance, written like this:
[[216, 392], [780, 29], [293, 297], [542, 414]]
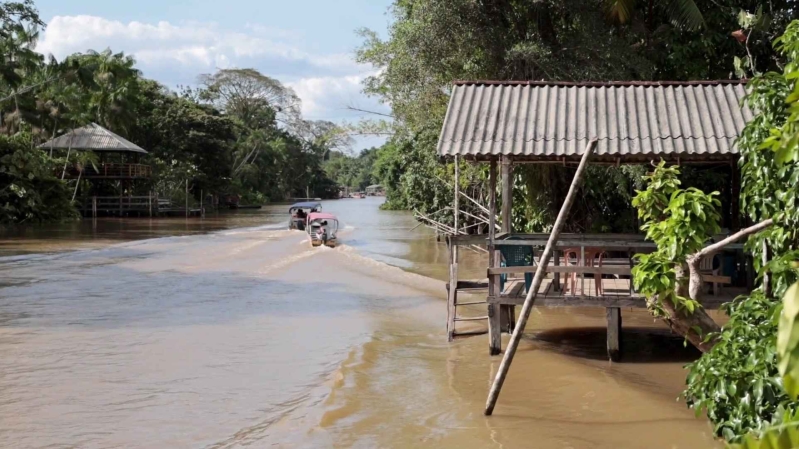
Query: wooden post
[[150, 202], [121, 192], [187, 198], [540, 272], [202, 211], [157, 204], [494, 324], [507, 194], [582, 274], [506, 312], [452, 298], [614, 333], [556, 277]]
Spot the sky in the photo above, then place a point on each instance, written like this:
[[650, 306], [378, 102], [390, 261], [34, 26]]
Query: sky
[[308, 45]]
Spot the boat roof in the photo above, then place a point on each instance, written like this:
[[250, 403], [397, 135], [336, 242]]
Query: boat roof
[[321, 216], [305, 205]]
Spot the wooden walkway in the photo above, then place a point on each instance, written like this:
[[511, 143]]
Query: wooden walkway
[[616, 293]]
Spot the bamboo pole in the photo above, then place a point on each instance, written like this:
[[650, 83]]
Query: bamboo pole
[[507, 359]]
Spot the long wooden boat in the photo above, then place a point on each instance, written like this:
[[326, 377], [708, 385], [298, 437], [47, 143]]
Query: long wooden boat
[[322, 228], [299, 213]]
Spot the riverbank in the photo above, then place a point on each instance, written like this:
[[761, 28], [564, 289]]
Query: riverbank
[[245, 335]]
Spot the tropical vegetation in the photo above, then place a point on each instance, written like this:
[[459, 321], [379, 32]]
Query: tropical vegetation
[[238, 132]]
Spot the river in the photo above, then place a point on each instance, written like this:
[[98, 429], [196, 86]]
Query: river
[[231, 331]]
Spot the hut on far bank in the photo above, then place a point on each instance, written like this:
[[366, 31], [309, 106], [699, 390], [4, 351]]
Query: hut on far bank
[[118, 169], [375, 190]]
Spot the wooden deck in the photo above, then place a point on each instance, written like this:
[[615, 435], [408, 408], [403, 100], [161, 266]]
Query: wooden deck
[[616, 293]]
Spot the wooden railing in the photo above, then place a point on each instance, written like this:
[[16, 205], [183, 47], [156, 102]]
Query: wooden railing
[[109, 171]]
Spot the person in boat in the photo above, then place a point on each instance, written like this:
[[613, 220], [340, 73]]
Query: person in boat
[[320, 233], [301, 214]]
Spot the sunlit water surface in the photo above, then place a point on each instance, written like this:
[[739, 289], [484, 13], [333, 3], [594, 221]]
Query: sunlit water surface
[[231, 331]]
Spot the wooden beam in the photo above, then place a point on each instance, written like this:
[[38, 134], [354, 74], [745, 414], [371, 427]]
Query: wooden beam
[[614, 333], [499, 380], [637, 302], [716, 279], [633, 302], [569, 269]]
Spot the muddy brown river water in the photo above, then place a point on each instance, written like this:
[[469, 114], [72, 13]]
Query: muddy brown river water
[[231, 332]]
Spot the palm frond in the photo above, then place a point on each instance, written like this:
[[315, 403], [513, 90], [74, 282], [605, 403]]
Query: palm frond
[[686, 14], [620, 11]]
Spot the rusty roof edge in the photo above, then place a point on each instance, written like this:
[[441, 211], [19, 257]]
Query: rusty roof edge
[[597, 83]]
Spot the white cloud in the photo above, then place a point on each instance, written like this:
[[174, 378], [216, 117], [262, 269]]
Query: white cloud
[[325, 95], [175, 54], [191, 43]]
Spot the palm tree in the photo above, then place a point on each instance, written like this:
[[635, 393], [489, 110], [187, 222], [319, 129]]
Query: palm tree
[[115, 80], [681, 13]]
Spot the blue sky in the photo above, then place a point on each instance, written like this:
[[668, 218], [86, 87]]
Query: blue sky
[[307, 44]]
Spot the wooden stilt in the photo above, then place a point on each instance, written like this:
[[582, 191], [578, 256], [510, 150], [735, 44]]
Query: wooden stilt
[[614, 333], [452, 298], [150, 203], [537, 279], [94, 207], [187, 198], [494, 325], [494, 329]]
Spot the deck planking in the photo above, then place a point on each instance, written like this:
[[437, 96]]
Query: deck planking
[[616, 293]]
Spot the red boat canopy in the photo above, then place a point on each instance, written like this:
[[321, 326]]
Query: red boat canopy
[[321, 216]]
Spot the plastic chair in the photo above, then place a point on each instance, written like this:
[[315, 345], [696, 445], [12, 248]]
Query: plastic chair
[[516, 256], [591, 255]]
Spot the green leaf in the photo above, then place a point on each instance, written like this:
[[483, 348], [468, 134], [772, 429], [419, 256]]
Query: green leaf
[[787, 341]]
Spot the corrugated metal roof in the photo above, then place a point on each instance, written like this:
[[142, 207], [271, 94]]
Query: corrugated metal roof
[[632, 121], [92, 137]]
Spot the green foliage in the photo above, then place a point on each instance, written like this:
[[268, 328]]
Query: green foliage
[[780, 436], [680, 222], [357, 173], [769, 168], [29, 190], [737, 383], [788, 341], [746, 355], [433, 42]]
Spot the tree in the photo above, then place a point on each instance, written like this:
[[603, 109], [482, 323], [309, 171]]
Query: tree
[[738, 382], [251, 97], [112, 97]]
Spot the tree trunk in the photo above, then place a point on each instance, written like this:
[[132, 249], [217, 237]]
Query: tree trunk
[[695, 326], [80, 173]]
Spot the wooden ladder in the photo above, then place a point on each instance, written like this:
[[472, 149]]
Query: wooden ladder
[[453, 304]]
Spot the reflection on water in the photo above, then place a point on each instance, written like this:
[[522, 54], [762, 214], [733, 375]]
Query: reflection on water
[[235, 332]]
